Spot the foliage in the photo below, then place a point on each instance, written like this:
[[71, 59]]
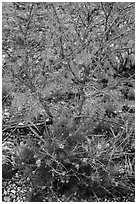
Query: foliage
[[73, 64]]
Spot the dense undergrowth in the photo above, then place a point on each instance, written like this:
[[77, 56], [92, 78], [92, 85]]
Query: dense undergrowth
[[68, 94], [93, 160]]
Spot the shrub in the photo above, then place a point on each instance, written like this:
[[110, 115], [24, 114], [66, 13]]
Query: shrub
[[79, 165]]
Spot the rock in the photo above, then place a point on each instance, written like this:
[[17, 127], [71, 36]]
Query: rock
[[5, 192], [18, 188], [4, 183], [8, 190], [24, 198], [18, 200], [13, 196], [13, 191], [6, 199]]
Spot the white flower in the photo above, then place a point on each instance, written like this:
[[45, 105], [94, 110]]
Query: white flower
[[99, 146], [61, 146], [38, 163]]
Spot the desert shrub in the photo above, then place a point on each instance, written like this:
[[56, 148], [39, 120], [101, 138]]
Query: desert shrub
[[85, 164], [76, 68]]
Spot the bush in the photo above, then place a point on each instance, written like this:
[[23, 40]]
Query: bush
[[80, 165]]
